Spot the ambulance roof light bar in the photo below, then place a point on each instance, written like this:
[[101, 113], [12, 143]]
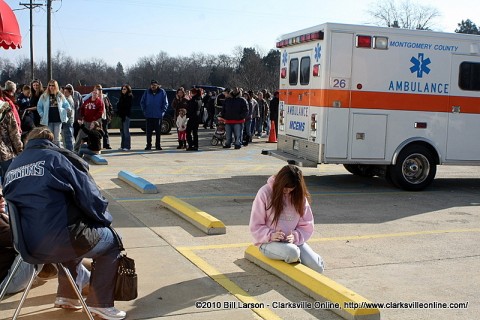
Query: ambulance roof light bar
[[318, 35]]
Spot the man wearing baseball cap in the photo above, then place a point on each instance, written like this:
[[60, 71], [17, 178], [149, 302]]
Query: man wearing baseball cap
[[154, 103]]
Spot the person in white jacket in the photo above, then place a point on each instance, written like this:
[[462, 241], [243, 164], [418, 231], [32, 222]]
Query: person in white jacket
[[53, 109], [181, 123], [282, 220]]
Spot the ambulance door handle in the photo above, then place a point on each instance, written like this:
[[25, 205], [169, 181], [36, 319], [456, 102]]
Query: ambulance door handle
[[456, 109]]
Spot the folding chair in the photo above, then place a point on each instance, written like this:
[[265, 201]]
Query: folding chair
[[21, 248]]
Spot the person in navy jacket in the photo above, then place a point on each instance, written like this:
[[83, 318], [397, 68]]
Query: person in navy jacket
[[154, 104], [64, 217]]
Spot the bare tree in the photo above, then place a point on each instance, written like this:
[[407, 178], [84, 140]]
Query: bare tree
[[406, 14]]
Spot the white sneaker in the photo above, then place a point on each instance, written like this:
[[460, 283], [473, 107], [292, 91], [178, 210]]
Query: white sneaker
[[111, 313], [125, 149], [67, 303]]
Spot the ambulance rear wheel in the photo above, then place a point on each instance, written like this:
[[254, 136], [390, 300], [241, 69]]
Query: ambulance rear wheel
[[361, 170], [415, 168]]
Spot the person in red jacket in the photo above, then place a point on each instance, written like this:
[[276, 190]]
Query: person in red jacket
[[91, 110]]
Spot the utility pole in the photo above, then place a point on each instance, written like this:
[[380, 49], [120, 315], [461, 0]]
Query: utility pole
[[31, 6], [49, 40]]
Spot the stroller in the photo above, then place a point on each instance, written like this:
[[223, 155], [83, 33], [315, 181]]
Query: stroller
[[219, 135]]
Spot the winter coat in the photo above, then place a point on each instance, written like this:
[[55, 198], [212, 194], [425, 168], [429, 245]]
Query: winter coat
[[61, 206], [44, 105], [10, 141], [154, 104], [124, 106], [235, 110]]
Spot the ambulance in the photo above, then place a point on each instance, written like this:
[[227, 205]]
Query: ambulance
[[385, 102]]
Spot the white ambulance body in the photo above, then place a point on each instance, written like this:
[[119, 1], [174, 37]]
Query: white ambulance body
[[382, 101]]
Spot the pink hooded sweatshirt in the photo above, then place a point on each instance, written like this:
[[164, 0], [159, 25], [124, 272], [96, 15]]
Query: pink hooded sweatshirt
[[261, 225]]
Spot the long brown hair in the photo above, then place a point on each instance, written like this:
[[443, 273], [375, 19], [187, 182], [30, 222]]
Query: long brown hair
[[289, 176]]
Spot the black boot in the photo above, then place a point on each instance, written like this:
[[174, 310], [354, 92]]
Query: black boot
[[180, 144]]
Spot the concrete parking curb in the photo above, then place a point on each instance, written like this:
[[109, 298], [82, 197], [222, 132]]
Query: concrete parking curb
[[96, 159], [317, 286], [138, 183], [200, 219]]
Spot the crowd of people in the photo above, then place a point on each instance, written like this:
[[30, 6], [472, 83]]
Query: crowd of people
[[81, 124], [245, 114]]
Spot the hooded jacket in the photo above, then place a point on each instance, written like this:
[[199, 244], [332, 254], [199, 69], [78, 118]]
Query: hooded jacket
[[261, 219], [60, 205]]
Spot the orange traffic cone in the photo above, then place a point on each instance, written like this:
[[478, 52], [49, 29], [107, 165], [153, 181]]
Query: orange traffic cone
[[273, 135]]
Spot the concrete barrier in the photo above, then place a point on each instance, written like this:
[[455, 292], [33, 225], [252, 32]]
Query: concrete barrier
[[138, 183], [334, 296], [200, 219], [96, 159]]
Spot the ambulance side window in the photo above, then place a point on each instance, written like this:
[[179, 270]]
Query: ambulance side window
[[469, 76], [305, 71], [293, 75]]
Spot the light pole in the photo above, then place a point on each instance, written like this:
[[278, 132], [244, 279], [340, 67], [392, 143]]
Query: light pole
[[30, 6], [49, 40]]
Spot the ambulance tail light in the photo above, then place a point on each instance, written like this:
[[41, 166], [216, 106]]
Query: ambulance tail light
[[364, 42], [316, 70], [281, 118], [313, 124], [283, 73], [380, 43]]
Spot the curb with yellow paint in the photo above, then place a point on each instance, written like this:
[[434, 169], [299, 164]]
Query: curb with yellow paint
[[199, 218], [317, 286]]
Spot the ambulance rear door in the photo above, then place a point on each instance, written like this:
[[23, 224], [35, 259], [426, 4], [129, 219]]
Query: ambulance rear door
[[298, 95], [339, 84]]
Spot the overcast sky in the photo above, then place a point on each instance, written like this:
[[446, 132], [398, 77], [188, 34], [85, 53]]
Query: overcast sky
[[126, 30]]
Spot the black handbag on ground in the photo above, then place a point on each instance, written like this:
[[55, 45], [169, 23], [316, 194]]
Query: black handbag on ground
[[126, 278]]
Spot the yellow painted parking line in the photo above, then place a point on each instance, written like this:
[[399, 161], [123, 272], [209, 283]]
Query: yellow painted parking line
[[136, 171], [94, 171], [183, 169], [343, 238], [392, 235], [228, 284]]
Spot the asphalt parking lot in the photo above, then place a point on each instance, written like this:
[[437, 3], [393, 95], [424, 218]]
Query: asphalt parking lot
[[390, 246]]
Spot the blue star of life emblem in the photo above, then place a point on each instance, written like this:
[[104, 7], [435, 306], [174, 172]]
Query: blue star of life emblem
[[284, 57], [318, 52], [420, 65]]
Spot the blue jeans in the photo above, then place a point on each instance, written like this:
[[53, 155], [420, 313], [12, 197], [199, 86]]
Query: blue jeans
[[236, 129], [104, 268], [125, 134], [21, 277], [247, 128], [67, 133], [258, 126], [84, 150], [290, 253], [55, 127], [151, 125]]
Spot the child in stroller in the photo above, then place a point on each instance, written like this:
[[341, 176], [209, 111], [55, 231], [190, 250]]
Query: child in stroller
[[219, 135]]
